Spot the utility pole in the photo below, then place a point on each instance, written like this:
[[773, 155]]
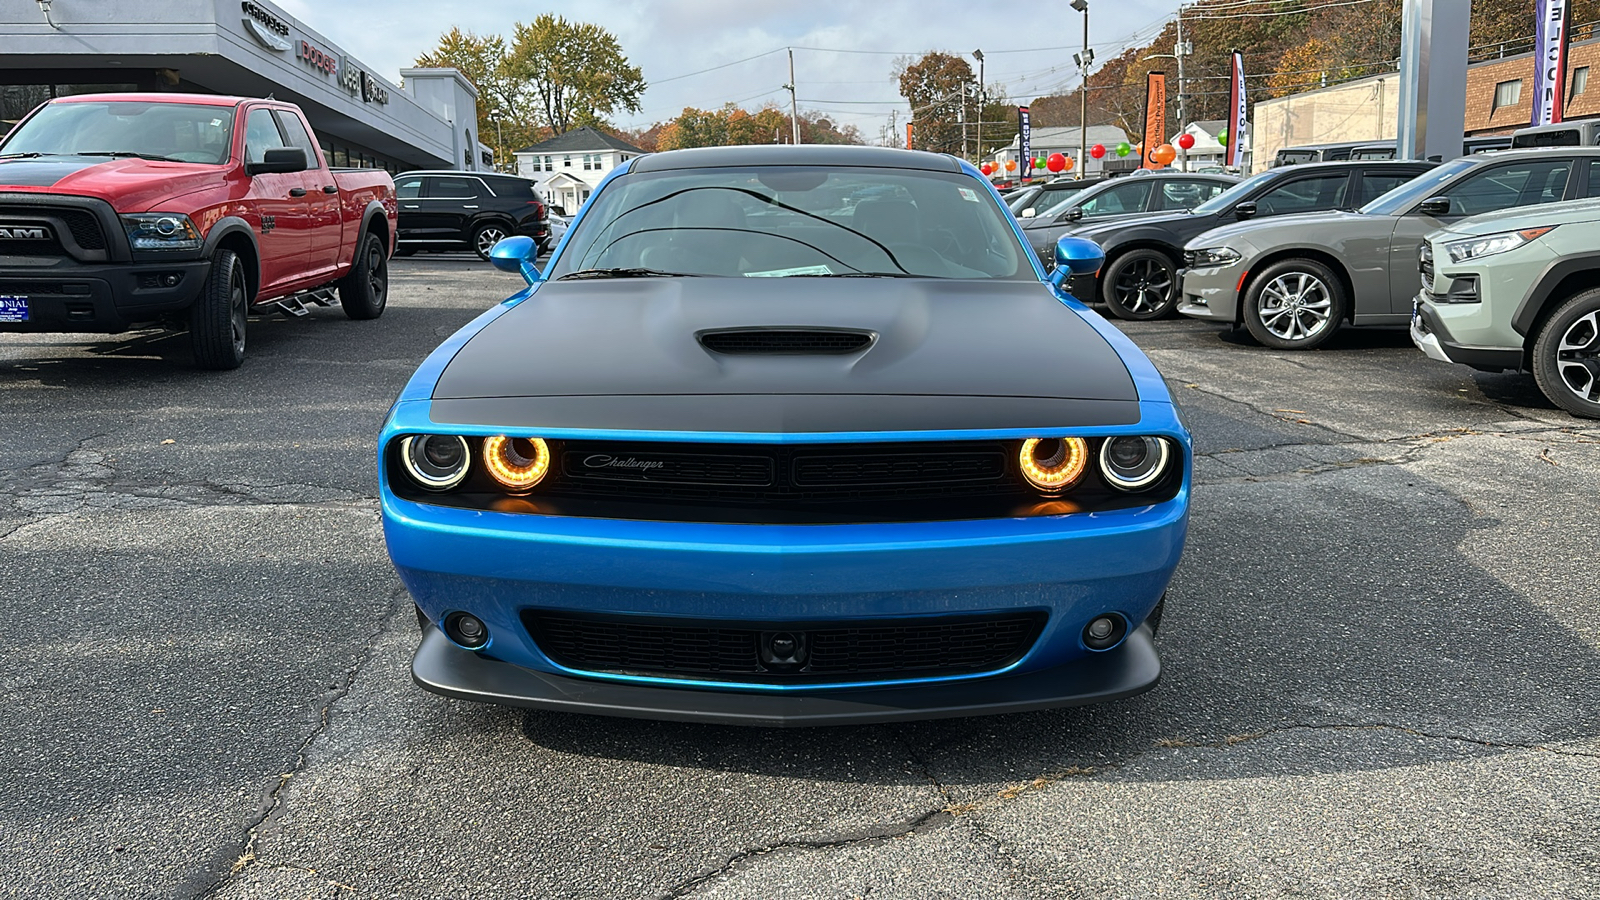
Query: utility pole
[[981, 104], [894, 128], [1183, 49], [794, 105], [1085, 59]]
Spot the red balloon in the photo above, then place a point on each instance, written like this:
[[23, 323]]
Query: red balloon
[[986, 169], [1098, 151], [1186, 141], [1056, 162]]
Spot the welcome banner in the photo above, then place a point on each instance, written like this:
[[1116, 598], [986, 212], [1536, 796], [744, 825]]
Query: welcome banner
[[1550, 57], [1238, 113]]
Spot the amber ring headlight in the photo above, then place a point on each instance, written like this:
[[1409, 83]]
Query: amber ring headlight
[[1053, 464], [517, 463], [1132, 463], [437, 462]]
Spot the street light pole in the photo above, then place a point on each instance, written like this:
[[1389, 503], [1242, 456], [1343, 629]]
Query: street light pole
[[981, 104], [1083, 109], [794, 104]]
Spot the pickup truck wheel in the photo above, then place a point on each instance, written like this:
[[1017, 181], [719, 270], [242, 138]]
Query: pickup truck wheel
[[217, 318], [1140, 284], [485, 237], [1296, 304], [365, 290], [1566, 356]]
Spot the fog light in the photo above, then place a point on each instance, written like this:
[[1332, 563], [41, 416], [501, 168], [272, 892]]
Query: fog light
[[517, 463], [1053, 464], [467, 630], [1105, 632]]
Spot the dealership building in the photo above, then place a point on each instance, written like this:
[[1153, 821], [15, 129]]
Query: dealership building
[[251, 49]]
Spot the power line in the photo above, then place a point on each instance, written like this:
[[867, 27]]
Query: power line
[[715, 68]]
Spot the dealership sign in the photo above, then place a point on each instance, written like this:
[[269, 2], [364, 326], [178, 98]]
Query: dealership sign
[[267, 28]]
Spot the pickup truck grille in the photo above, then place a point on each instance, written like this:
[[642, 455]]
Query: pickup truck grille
[[79, 226]]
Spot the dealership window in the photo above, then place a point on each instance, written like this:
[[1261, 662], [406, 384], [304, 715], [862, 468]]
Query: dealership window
[[1580, 80], [1507, 93]]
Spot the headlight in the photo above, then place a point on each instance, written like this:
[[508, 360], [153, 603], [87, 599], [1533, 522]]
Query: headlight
[[161, 231], [437, 462], [1212, 257], [1053, 464], [517, 463], [1490, 244], [1134, 463]]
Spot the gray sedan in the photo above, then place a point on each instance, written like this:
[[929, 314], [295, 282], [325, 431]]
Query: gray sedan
[[1294, 280]]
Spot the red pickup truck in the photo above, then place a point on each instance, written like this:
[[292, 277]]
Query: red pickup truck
[[187, 211]]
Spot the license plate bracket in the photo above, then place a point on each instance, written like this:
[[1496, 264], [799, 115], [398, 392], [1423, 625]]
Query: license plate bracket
[[13, 309]]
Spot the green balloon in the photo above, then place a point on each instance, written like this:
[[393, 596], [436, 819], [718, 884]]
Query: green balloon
[[1223, 139], [1124, 148]]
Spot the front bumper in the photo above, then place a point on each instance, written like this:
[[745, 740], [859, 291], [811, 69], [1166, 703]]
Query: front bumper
[[64, 295], [1432, 336], [1212, 294], [1128, 669]]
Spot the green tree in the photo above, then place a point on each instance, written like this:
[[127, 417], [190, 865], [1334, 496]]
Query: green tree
[[506, 119], [941, 90], [576, 71]]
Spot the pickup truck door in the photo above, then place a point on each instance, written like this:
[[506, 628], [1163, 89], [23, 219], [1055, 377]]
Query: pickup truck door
[[279, 201], [1525, 182], [325, 240]]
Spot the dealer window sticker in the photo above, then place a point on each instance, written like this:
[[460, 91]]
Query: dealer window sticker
[[968, 194]]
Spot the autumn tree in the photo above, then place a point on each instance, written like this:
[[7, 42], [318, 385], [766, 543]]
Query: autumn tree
[[576, 72], [506, 118], [733, 125], [940, 88]]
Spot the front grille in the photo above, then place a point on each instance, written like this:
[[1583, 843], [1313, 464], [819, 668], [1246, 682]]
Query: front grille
[[81, 224], [36, 288], [84, 226], [1425, 265], [834, 651], [784, 341]]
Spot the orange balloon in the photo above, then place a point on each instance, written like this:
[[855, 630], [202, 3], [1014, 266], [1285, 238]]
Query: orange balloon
[[1068, 166], [1011, 165], [1164, 154]]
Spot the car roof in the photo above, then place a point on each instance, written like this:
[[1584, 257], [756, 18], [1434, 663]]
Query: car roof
[[201, 99], [464, 172], [795, 155]]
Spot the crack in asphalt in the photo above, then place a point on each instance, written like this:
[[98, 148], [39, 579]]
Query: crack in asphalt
[[933, 818], [272, 797]]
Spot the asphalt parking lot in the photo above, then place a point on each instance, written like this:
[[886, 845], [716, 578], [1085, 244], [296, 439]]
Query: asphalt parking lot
[[1381, 660]]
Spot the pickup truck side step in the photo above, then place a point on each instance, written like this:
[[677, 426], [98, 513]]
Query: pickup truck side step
[[294, 305]]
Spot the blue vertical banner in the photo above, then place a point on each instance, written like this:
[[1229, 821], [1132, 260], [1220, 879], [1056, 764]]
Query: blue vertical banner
[[1025, 136], [1550, 61], [1238, 113]]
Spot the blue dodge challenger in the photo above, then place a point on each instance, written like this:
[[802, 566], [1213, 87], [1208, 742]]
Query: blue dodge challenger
[[788, 435]]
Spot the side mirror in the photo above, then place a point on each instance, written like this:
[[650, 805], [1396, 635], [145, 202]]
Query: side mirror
[[1435, 206], [1076, 256], [516, 254], [278, 159], [1073, 214], [1245, 210], [1029, 213]]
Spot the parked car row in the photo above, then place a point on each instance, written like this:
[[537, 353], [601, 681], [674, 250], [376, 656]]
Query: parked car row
[[1504, 242]]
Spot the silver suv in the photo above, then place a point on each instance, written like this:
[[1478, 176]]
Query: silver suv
[[1519, 291], [1294, 280]]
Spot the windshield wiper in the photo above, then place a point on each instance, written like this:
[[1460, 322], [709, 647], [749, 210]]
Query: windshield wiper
[[856, 275], [128, 153], [625, 272], [30, 155]]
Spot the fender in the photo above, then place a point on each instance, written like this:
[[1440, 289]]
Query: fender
[[226, 226], [374, 209], [1540, 296]]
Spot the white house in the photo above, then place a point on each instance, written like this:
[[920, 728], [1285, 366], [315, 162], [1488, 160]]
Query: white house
[[569, 166], [1207, 150]]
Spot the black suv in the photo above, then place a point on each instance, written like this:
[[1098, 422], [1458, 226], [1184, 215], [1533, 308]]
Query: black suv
[[1144, 256], [449, 210]]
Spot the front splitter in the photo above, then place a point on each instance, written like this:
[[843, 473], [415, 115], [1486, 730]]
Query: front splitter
[[1132, 668]]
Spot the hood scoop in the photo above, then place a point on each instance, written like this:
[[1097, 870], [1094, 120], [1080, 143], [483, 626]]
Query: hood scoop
[[785, 341]]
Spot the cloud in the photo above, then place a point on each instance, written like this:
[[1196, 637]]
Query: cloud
[[844, 52]]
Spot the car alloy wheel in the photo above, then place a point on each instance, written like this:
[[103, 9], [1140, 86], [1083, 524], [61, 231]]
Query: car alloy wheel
[[236, 312], [1566, 355], [1142, 284], [485, 239], [1295, 306], [377, 271]]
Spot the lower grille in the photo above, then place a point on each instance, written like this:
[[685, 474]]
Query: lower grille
[[722, 651]]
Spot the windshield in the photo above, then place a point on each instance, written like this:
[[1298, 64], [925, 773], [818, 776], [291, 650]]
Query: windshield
[[793, 221], [1236, 193], [1417, 189], [185, 132]]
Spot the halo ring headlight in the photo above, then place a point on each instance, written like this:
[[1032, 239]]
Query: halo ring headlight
[[1134, 462], [437, 462], [518, 464], [1053, 464]]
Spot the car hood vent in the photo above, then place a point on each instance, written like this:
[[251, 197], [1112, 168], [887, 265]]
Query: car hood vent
[[785, 341]]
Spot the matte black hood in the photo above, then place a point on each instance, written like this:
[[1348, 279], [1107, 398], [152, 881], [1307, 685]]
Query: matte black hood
[[44, 171], [947, 354]]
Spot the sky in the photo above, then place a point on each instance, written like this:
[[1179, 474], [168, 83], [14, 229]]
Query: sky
[[844, 52]]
